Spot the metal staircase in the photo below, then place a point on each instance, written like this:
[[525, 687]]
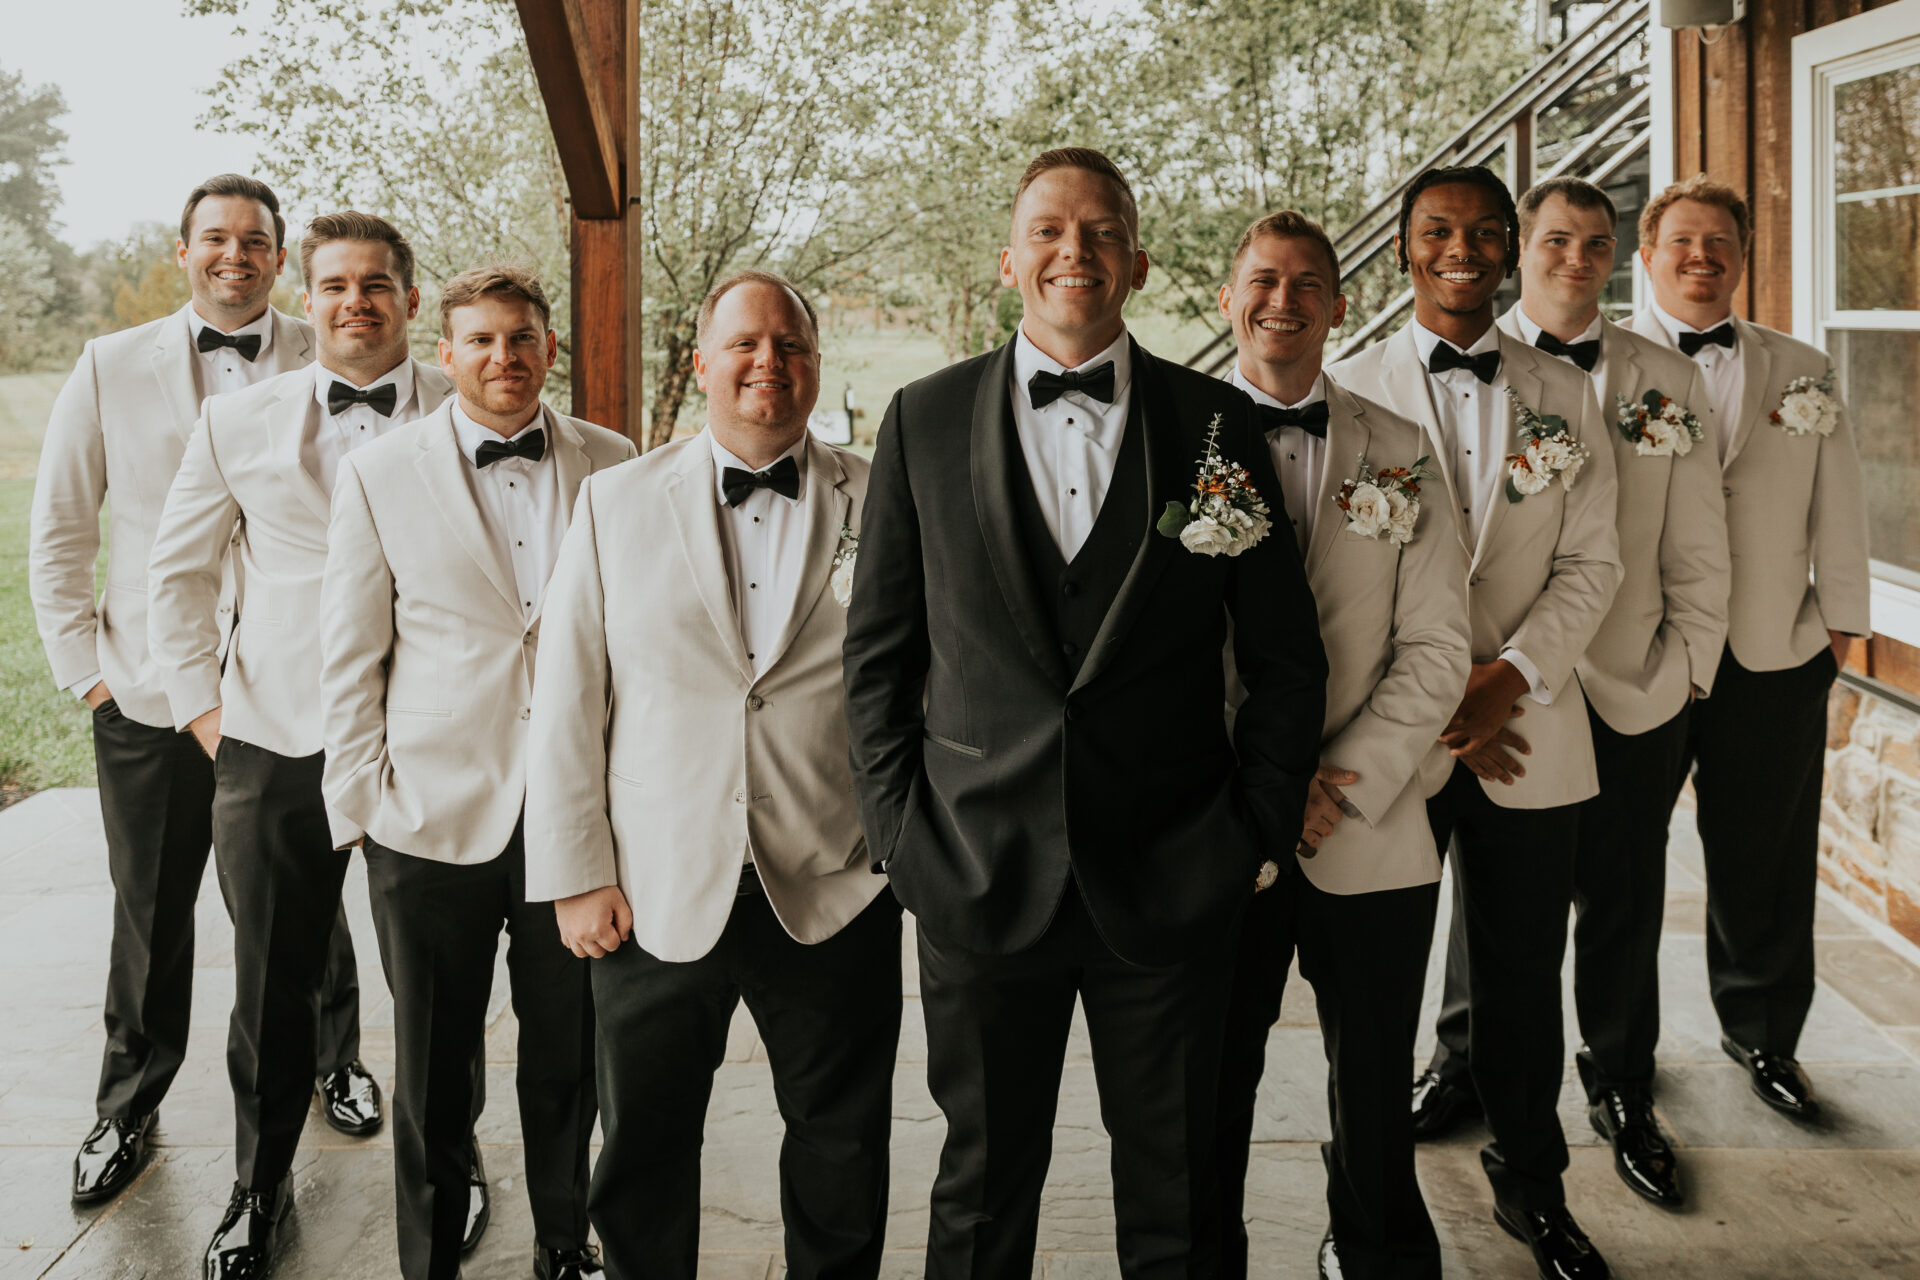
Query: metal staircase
[[1583, 110]]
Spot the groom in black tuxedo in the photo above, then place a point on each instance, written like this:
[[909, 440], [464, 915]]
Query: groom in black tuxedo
[[1035, 692]]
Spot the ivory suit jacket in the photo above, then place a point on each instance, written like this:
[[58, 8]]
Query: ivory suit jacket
[[1796, 514], [427, 654], [1394, 622], [243, 482], [120, 428], [1542, 572], [658, 757], [1668, 624]]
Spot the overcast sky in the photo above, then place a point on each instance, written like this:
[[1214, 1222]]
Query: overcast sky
[[134, 73]]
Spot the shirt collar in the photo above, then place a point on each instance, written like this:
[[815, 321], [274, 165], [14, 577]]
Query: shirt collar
[[1675, 327], [722, 459], [470, 435], [1029, 360], [261, 325], [1425, 340], [401, 376], [1313, 396], [1531, 332]]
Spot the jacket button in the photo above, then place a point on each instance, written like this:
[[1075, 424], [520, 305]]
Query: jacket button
[[526, 713], [739, 797], [1726, 492], [1069, 589], [755, 702], [1070, 711], [1069, 648]]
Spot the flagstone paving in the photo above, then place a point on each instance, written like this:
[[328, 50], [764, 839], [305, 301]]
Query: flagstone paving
[[1770, 1199]]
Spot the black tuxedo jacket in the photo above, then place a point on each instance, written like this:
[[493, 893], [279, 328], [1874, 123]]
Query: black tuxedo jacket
[[986, 772]]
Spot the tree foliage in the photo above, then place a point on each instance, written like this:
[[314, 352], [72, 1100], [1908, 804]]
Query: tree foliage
[[35, 266]]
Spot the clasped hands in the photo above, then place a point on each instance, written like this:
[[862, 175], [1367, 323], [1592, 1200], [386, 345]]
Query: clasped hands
[[595, 922], [1478, 735]]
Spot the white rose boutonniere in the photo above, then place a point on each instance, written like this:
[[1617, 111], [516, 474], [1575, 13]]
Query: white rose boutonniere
[[1808, 408], [1658, 425], [1548, 452], [844, 555], [1228, 514], [1383, 503]]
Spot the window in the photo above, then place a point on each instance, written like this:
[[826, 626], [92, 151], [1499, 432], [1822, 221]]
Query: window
[[1856, 166]]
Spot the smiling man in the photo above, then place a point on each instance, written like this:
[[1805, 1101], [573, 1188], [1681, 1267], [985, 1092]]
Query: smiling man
[[1034, 683], [255, 483], [119, 429], [1517, 439]]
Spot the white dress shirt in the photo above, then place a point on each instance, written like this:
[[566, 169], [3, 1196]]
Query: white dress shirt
[[519, 502], [340, 434], [1725, 375], [766, 545], [1476, 423], [1299, 458], [223, 369], [1071, 446], [1597, 376]]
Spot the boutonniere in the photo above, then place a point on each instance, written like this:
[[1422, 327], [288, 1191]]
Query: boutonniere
[[1658, 426], [1228, 514], [1383, 502], [1267, 876], [843, 557], [1809, 407], [1548, 452]]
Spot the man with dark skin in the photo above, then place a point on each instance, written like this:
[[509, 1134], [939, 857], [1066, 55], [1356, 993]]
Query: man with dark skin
[[1512, 431]]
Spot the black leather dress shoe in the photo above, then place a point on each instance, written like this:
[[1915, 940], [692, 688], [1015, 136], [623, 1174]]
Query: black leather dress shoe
[[110, 1157], [1439, 1105], [565, 1264], [479, 1204], [1641, 1155], [1777, 1080], [350, 1099], [1329, 1258], [1561, 1251], [242, 1247]]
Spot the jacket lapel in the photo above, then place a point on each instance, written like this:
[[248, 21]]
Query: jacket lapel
[[1758, 398], [297, 420], [828, 508], [1517, 367], [292, 344], [173, 357], [1347, 438], [442, 469], [1411, 396], [994, 453], [696, 518], [430, 387], [1623, 372]]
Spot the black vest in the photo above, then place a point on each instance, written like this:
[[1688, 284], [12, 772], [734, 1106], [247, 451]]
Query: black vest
[[1078, 595]]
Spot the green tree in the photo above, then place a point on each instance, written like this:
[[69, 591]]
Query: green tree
[[27, 287]]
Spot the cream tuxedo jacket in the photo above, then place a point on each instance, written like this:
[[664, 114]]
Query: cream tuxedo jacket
[[119, 428], [1796, 515], [242, 482], [1668, 623], [658, 758], [1542, 572], [427, 655], [1394, 622]]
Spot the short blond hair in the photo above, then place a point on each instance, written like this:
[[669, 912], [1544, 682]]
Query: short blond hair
[[495, 280], [1094, 162], [1706, 191], [1287, 224]]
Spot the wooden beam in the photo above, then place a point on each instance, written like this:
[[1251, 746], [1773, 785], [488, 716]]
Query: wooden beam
[[1774, 24], [586, 132]]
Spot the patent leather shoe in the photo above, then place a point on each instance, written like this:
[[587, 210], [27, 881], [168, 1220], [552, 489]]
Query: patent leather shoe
[[479, 1204], [110, 1157], [1440, 1104], [242, 1247], [1777, 1080], [1561, 1251], [1329, 1258], [350, 1100], [566, 1264], [1641, 1154]]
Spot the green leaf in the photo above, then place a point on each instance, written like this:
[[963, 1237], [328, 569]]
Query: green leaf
[[1173, 520], [1513, 494], [1652, 400], [1551, 422]]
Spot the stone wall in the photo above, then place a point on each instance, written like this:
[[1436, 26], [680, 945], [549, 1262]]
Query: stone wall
[[1870, 813]]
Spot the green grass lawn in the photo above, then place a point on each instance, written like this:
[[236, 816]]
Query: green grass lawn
[[45, 738]]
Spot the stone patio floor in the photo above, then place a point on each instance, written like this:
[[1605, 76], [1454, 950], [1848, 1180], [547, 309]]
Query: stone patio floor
[[1768, 1197]]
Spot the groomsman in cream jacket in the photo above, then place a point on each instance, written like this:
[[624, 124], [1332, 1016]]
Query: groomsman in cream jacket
[[1517, 438], [256, 480], [442, 539], [1389, 576], [119, 428], [690, 803], [1657, 651], [1797, 529]]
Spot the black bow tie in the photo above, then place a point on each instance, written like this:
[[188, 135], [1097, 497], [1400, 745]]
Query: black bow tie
[[783, 477], [532, 446], [381, 399], [1485, 366], [1310, 418], [1724, 336], [1095, 384], [211, 339], [1585, 354]]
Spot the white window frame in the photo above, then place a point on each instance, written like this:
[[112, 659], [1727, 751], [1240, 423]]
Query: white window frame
[[1876, 41]]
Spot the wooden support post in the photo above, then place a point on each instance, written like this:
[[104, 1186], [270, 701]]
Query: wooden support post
[[1520, 153]]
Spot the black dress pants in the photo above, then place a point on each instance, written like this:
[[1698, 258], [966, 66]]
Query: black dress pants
[[439, 925], [1500, 1025], [1759, 755], [996, 1040], [829, 1016], [281, 878], [1620, 899], [156, 803], [1365, 955]]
